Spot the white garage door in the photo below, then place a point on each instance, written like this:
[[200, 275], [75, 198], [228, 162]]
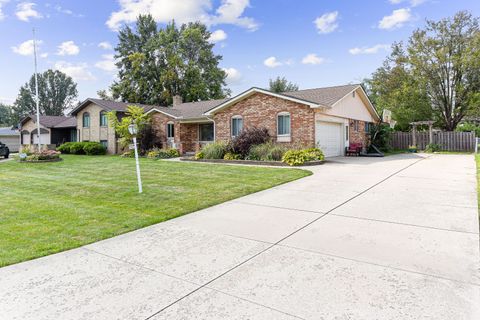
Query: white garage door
[[329, 137], [44, 138]]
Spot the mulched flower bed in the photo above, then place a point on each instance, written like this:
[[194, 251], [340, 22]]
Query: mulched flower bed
[[251, 162]]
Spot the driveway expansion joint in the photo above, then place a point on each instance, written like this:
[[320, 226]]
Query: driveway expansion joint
[[286, 237], [404, 224]]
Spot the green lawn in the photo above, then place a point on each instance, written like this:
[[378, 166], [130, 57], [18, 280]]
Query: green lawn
[[50, 207]]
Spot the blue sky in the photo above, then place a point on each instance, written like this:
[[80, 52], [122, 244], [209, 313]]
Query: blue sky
[[312, 43]]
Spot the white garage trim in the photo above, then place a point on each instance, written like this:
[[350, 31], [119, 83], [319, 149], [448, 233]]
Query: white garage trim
[[330, 137]]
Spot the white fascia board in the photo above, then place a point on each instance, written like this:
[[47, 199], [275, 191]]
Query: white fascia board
[[160, 111]]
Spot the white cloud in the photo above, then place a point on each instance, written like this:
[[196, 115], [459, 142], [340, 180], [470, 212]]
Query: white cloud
[[396, 20], [272, 62], [413, 3], [312, 58], [229, 12], [105, 45], [369, 50], [44, 55], [107, 63], [77, 71], [217, 36], [68, 48], [327, 22], [25, 11], [233, 76], [2, 2], [26, 48]]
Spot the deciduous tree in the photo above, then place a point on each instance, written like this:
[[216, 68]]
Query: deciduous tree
[[154, 65], [56, 91], [279, 85]]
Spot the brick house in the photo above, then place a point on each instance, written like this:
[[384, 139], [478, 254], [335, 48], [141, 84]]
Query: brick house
[[329, 117]]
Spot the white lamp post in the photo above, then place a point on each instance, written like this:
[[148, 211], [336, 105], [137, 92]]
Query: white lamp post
[[133, 131]]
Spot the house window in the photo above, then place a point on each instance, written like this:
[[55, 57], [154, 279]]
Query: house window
[[237, 125], [103, 119], [367, 127], [206, 132], [346, 132], [353, 94], [283, 124], [170, 130], [86, 120], [104, 143]]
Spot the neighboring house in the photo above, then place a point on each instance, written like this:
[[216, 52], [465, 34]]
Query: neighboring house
[[329, 117], [10, 137], [54, 130]]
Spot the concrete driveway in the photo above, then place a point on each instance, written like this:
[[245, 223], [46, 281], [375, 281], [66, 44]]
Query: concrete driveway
[[363, 238]]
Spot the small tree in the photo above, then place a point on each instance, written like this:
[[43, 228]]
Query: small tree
[[282, 85], [380, 135], [135, 115]]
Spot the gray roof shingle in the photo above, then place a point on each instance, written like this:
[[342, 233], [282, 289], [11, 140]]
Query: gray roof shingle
[[54, 121], [8, 131], [195, 110], [110, 105], [325, 96]]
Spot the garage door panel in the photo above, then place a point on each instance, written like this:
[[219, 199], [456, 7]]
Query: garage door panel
[[329, 137]]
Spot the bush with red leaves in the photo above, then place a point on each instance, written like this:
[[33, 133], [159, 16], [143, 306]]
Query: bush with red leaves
[[248, 138]]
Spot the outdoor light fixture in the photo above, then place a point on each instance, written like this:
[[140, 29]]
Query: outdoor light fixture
[[133, 129]]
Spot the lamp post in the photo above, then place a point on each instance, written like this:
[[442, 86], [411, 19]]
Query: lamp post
[[133, 129]]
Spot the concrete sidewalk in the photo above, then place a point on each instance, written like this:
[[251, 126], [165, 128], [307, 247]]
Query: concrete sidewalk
[[362, 238]]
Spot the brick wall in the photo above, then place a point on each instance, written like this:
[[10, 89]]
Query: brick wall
[[358, 136], [188, 137], [159, 124], [260, 110]]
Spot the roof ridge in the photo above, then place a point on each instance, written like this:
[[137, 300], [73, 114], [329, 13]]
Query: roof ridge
[[331, 87]]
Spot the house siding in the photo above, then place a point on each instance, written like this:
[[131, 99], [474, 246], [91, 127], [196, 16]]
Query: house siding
[[96, 132], [261, 110]]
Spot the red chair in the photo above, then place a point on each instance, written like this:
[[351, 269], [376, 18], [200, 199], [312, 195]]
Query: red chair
[[353, 149]]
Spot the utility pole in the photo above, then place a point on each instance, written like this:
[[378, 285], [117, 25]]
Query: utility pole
[[36, 92]]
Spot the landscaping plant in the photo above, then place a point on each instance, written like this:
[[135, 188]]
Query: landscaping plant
[[268, 151], [232, 156], [433, 147], [85, 147], [163, 153], [43, 155], [215, 150], [299, 157], [248, 138]]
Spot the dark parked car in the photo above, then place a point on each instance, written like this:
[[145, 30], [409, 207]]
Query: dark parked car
[[4, 151]]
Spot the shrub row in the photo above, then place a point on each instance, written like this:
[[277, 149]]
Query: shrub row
[[256, 144], [268, 151], [87, 147]]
